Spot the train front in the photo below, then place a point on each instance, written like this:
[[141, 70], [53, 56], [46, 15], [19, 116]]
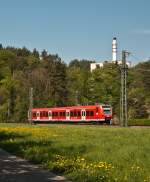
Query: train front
[[107, 112]]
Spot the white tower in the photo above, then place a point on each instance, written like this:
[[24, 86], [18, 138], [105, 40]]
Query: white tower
[[114, 49]]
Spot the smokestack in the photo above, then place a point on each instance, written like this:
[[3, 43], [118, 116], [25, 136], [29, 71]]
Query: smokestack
[[114, 49]]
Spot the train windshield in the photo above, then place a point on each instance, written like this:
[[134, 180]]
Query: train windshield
[[107, 111]]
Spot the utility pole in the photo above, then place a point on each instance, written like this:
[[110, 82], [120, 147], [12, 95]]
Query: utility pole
[[30, 104], [123, 99], [8, 110]]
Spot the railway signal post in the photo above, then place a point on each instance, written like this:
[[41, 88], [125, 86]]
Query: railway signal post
[[123, 99]]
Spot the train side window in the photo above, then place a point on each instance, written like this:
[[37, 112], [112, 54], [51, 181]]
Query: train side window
[[71, 113], [41, 114], [91, 113], [87, 113], [79, 113], [46, 114], [34, 114], [37, 114], [64, 114], [75, 114], [55, 114]]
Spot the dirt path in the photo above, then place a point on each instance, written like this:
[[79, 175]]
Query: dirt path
[[15, 169]]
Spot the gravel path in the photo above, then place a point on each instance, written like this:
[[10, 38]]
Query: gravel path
[[15, 169]]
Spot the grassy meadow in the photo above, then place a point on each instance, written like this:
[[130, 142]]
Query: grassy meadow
[[83, 153]]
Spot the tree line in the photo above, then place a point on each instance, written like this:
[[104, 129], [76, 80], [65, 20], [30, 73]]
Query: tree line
[[56, 83]]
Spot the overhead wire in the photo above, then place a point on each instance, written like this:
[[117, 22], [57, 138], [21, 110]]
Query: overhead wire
[[139, 69]]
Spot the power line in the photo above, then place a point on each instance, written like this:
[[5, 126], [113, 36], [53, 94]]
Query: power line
[[136, 58]]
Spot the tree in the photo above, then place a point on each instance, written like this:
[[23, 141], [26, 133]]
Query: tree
[[104, 86], [7, 64], [1, 47], [35, 53], [44, 54], [136, 101], [139, 87]]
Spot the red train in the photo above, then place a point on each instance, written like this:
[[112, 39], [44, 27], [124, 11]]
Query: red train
[[75, 114]]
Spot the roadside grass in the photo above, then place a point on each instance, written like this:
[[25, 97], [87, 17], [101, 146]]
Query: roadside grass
[[139, 122], [83, 153]]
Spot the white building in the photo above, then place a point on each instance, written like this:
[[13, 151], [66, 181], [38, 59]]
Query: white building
[[93, 66]]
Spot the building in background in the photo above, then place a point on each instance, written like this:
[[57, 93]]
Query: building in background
[[93, 66], [114, 60]]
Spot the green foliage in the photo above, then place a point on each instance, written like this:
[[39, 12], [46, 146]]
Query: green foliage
[[83, 64], [139, 87], [22, 69], [57, 84], [104, 85]]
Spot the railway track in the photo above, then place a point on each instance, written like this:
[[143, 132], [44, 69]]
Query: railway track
[[91, 124]]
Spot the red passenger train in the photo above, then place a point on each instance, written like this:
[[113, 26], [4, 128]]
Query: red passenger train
[[75, 114]]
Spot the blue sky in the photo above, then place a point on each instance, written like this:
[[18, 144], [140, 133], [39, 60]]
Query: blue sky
[[80, 29]]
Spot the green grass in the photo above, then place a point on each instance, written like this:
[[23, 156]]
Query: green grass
[[83, 153], [139, 122]]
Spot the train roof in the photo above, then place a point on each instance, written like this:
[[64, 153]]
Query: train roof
[[70, 107]]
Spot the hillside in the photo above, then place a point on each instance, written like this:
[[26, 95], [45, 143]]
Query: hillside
[[57, 84]]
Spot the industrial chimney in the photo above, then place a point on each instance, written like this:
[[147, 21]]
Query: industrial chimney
[[114, 49]]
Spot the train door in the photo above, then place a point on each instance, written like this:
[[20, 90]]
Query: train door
[[38, 115], [67, 115], [83, 114], [50, 115]]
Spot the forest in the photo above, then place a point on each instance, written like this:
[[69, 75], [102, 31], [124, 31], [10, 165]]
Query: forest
[[56, 83]]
